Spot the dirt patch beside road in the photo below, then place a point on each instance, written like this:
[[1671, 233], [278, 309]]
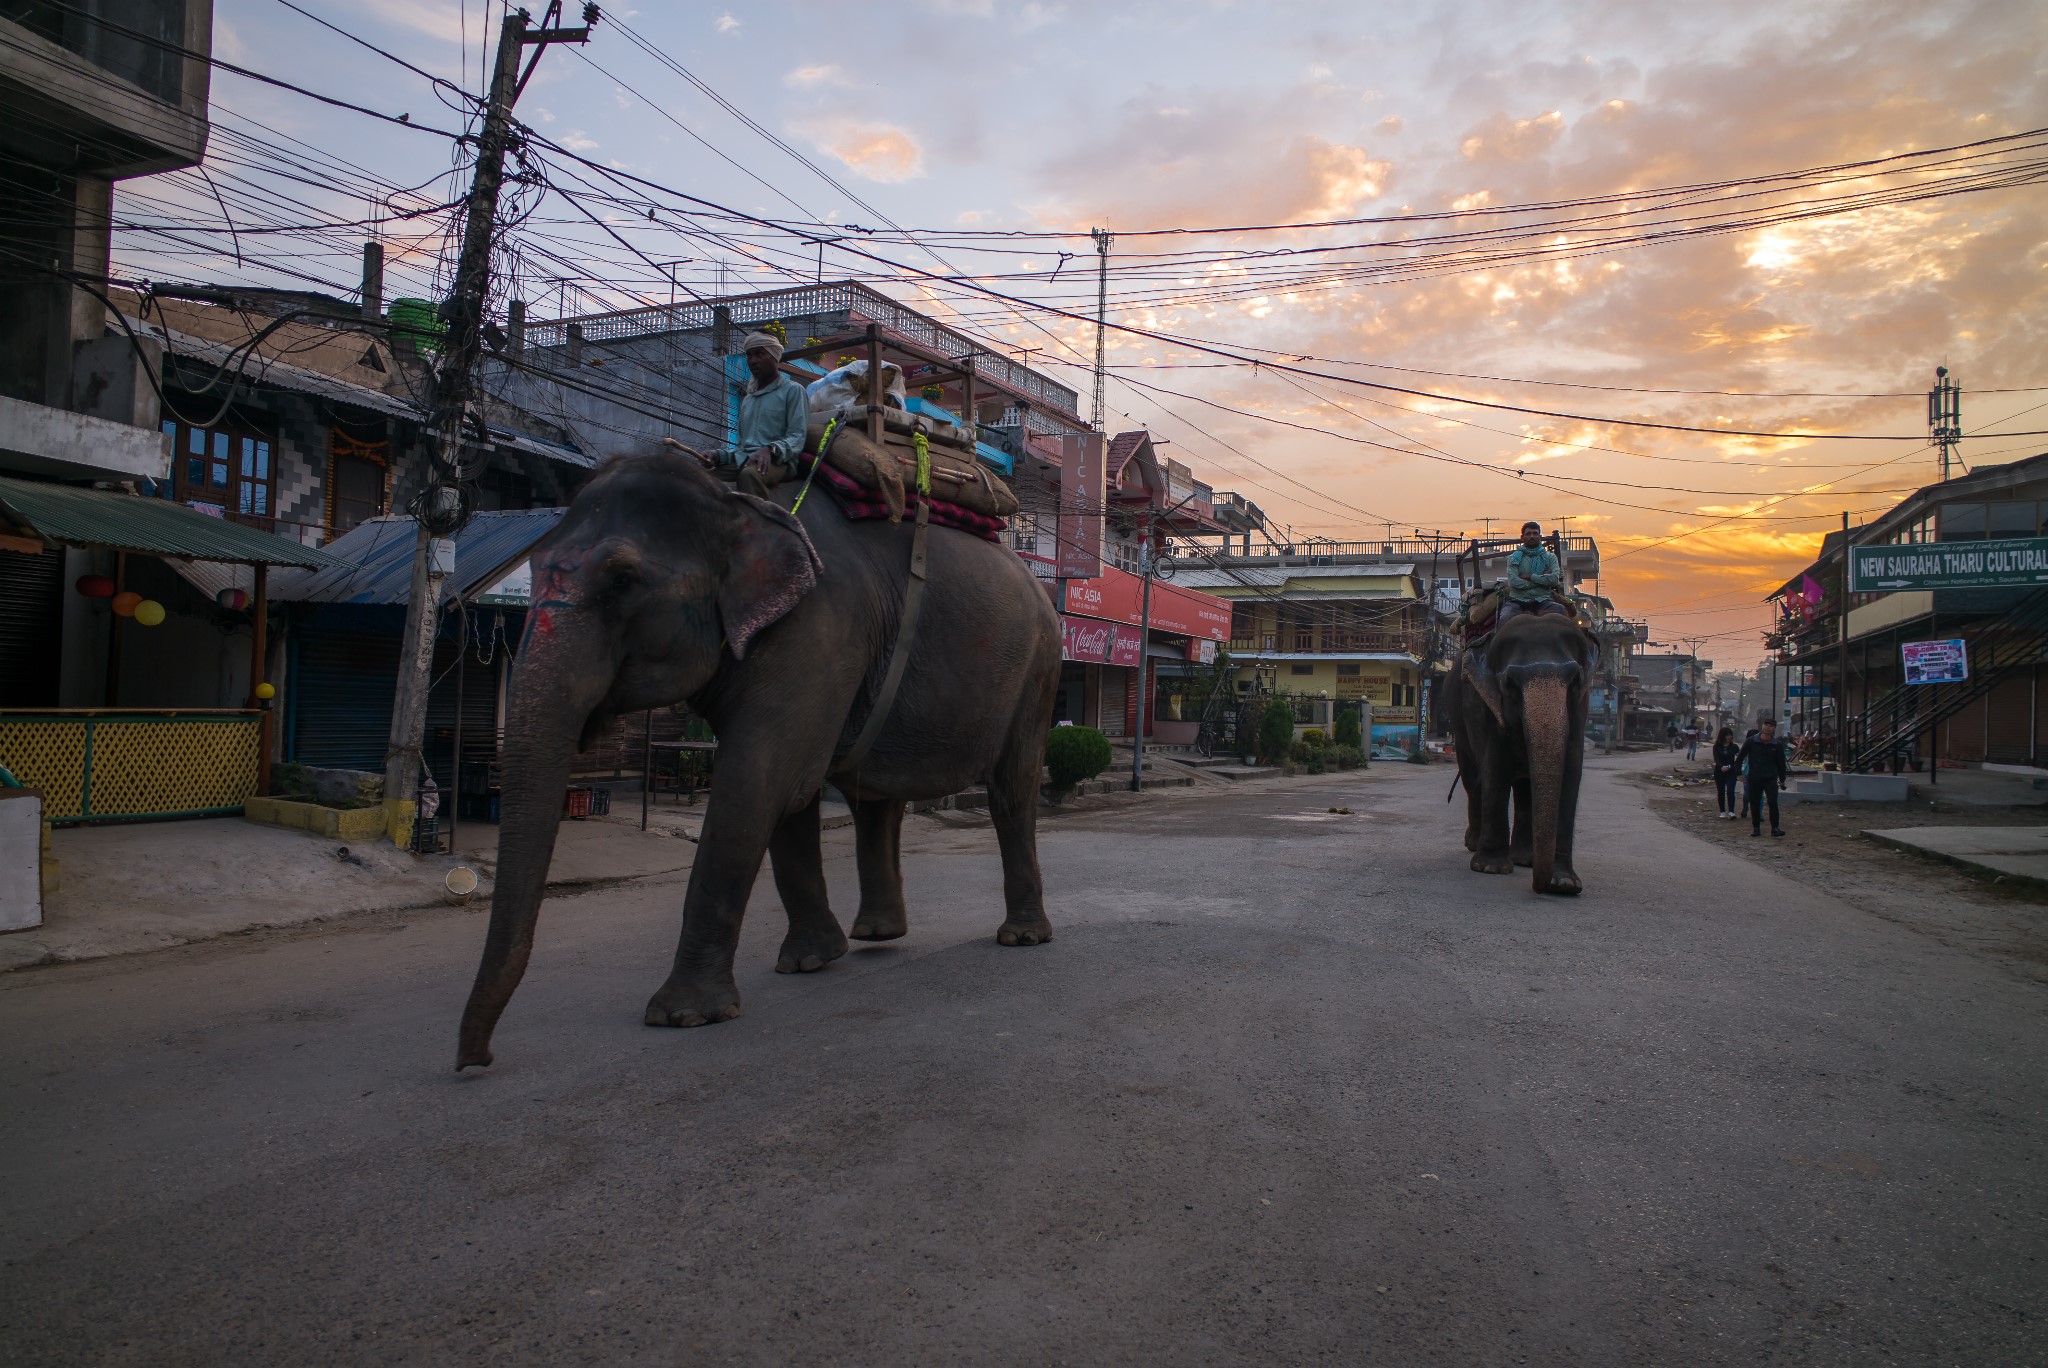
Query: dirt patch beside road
[[1824, 847]]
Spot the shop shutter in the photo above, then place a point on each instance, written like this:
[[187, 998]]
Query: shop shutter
[[1115, 692], [2008, 721], [31, 626], [341, 698]]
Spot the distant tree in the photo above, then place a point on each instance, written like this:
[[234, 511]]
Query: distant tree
[[1276, 732], [1347, 727]]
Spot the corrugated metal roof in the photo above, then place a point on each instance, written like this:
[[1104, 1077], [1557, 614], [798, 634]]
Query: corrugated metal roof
[[381, 550], [283, 375], [154, 527]]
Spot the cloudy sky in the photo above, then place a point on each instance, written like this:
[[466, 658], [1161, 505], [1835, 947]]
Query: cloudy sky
[[968, 118]]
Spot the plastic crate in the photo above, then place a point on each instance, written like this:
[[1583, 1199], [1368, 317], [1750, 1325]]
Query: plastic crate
[[576, 803]]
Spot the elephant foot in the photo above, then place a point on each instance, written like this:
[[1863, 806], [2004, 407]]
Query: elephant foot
[[1497, 863], [1523, 858], [683, 1002], [809, 950], [1024, 931], [1471, 840], [1562, 881], [883, 924]]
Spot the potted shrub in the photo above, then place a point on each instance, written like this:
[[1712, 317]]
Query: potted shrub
[[1074, 755]]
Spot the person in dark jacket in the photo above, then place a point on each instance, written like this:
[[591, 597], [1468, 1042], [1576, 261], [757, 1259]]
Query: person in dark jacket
[[1725, 755], [1768, 770], [1747, 737]]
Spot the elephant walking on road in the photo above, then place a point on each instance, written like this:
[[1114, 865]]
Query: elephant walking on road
[[661, 585], [1517, 707]]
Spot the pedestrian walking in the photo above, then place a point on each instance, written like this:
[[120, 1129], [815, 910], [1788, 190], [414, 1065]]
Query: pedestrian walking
[[1726, 753], [1671, 734], [1766, 775], [1692, 739], [1741, 768]]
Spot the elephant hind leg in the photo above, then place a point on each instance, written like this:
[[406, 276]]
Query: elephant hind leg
[[878, 838], [814, 938], [1013, 807]]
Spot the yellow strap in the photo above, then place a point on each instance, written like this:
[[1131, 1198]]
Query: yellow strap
[[824, 445], [924, 462]]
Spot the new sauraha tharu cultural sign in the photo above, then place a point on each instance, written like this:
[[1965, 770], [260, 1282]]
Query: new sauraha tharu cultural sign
[[1949, 565]]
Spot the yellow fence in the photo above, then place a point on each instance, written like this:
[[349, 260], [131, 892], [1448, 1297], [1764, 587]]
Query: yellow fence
[[103, 766]]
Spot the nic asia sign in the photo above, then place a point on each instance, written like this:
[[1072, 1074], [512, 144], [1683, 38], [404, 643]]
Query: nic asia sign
[[2013, 561]]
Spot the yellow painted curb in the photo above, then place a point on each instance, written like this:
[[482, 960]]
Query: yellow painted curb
[[339, 824]]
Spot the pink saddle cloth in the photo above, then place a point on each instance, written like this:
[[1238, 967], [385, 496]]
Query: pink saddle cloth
[[859, 503]]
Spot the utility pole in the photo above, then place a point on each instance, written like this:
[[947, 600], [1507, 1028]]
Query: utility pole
[[439, 509], [1945, 418], [1103, 238], [1842, 659]]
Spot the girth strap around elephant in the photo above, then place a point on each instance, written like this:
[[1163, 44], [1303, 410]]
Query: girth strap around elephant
[[899, 655]]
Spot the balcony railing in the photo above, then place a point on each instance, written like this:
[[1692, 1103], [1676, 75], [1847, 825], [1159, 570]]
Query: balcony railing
[[1331, 643]]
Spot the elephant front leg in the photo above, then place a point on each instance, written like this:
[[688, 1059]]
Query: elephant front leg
[[814, 938], [700, 990], [1521, 841], [878, 834], [1492, 855]]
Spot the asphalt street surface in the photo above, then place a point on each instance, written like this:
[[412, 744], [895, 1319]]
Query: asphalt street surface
[[1289, 1086]]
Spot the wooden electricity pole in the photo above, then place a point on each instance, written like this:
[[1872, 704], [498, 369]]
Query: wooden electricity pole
[[439, 510]]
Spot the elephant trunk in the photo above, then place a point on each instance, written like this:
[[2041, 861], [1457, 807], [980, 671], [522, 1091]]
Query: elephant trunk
[[1546, 724], [548, 709]]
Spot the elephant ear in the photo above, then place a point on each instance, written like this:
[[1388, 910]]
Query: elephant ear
[[1481, 676], [772, 566]]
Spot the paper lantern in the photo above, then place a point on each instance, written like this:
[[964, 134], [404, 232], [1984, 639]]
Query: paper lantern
[[95, 586], [124, 602], [266, 691], [149, 612], [234, 600]]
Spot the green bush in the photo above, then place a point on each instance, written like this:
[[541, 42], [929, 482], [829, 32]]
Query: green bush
[[1316, 763], [1276, 732], [1347, 757], [1316, 737], [1418, 756], [1074, 754], [1347, 728]]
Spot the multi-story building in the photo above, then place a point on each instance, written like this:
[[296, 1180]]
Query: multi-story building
[[1993, 714]]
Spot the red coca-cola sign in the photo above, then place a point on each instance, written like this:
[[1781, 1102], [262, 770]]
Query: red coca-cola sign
[[1098, 642]]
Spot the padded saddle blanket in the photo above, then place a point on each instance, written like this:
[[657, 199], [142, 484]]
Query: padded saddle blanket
[[888, 470], [859, 502]]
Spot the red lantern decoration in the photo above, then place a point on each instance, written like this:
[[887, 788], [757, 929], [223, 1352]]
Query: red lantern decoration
[[234, 600], [124, 603], [95, 586]]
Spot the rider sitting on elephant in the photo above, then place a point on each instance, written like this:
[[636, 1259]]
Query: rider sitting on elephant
[[774, 413], [1534, 580]]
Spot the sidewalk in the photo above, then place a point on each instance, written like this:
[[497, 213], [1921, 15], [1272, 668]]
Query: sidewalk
[[148, 886], [2013, 853]]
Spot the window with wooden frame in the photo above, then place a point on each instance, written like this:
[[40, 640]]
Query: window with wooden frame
[[227, 467], [358, 480]]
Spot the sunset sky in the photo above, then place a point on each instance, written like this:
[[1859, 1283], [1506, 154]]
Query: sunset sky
[[987, 116]]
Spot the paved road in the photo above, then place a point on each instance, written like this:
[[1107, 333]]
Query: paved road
[[1289, 1086]]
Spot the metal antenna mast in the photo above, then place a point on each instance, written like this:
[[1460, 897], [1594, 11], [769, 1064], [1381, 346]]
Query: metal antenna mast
[[1103, 238], [1944, 416]]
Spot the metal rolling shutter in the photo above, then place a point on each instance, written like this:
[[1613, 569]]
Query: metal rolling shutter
[[342, 685], [1115, 691], [31, 626], [2008, 724]]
